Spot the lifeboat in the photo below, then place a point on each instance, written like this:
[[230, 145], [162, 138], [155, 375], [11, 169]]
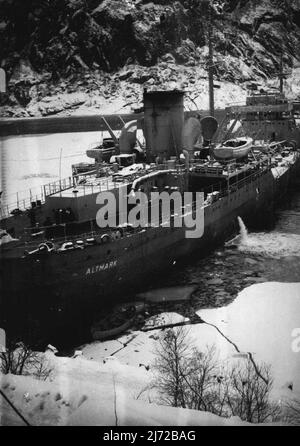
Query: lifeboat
[[104, 151], [233, 148], [117, 322]]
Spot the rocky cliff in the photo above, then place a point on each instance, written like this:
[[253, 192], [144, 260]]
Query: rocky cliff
[[65, 54]]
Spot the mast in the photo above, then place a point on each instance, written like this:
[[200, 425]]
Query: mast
[[210, 64], [281, 75]]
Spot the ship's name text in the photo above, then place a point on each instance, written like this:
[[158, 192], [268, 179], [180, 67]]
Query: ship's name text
[[101, 267]]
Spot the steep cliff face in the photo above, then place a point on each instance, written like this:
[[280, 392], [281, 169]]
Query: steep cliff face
[[46, 42]]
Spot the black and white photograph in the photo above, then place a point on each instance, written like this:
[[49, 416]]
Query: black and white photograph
[[149, 215]]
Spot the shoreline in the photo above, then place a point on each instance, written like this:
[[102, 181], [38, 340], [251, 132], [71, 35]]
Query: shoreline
[[76, 123]]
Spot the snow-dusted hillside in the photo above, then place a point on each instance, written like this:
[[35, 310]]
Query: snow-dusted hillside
[[85, 56]]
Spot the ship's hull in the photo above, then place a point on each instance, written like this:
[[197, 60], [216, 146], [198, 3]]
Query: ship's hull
[[56, 291]]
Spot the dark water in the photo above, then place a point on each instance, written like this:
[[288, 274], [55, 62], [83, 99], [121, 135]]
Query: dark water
[[254, 257]]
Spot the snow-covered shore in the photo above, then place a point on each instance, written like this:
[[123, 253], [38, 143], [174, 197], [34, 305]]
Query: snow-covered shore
[[122, 91], [88, 393], [112, 379]]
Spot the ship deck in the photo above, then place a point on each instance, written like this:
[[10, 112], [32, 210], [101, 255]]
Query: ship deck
[[211, 171], [92, 186], [70, 188], [229, 169]]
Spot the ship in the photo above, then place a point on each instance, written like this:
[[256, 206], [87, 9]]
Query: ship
[[58, 267]]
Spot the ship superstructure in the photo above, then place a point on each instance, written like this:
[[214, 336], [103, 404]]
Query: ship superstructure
[[269, 116]]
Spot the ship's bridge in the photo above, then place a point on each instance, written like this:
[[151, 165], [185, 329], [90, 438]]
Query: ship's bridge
[[210, 176]]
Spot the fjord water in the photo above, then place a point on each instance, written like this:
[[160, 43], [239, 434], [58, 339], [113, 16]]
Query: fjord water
[[28, 162]]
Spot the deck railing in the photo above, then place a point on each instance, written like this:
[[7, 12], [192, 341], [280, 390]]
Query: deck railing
[[59, 186], [22, 201], [31, 239], [26, 200]]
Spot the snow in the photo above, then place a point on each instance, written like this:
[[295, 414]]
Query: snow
[[74, 383], [89, 394], [261, 320], [110, 379], [271, 309]]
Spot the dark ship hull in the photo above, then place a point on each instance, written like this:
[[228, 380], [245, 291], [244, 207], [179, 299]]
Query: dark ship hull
[[60, 293]]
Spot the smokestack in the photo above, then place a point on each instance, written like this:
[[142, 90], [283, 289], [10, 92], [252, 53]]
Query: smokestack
[[127, 137], [163, 123]]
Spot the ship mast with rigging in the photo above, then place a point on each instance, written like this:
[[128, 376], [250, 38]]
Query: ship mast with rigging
[[210, 63]]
